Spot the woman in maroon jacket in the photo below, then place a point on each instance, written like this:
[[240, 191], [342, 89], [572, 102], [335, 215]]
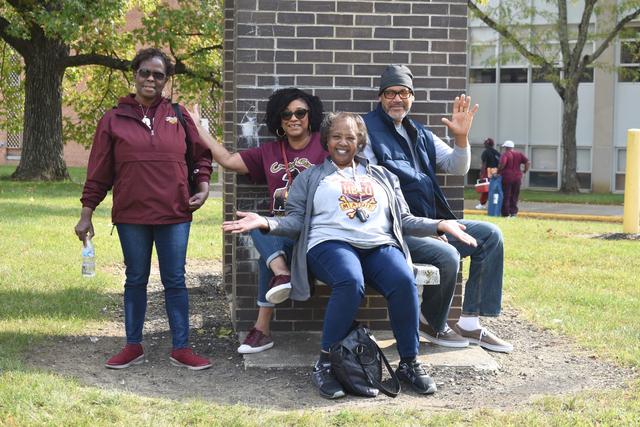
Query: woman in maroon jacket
[[139, 151]]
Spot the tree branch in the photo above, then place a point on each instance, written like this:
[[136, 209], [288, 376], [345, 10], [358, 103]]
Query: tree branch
[[20, 45], [534, 58], [588, 59], [200, 51], [563, 34], [583, 30], [97, 59]]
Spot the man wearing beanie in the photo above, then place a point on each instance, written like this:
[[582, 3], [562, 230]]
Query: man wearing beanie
[[413, 152]]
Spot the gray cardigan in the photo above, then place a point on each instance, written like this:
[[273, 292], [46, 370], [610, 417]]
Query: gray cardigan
[[297, 222]]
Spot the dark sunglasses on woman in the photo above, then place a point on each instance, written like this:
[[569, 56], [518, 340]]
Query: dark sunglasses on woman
[[157, 75], [299, 113]]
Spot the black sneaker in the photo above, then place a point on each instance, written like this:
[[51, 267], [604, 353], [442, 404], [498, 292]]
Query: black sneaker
[[327, 384], [414, 374]]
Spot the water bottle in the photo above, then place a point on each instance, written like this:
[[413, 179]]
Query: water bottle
[[88, 259]]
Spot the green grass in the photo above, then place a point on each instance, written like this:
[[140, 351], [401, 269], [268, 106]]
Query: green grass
[[557, 197], [560, 279]]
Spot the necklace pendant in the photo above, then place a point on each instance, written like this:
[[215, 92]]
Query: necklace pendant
[[146, 121]]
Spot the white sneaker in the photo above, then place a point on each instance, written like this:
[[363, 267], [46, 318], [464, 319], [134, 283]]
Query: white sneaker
[[480, 206]]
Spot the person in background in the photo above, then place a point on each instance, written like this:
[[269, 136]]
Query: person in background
[[412, 152], [490, 160], [348, 219], [510, 168], [294, 117], [139, 150]]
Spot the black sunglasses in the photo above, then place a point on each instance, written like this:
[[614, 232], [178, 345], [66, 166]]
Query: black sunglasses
[[390, 94], [300, 113], [157, 75]]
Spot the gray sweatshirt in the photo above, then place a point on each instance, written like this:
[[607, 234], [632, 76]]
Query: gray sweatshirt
[[296, 224]]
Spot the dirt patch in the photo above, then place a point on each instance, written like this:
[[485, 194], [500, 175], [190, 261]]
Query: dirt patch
[[542, 363]]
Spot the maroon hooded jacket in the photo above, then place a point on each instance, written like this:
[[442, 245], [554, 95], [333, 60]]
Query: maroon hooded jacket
[[146, 168]]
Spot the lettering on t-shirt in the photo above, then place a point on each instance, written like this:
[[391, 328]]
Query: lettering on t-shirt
[[354, 197]]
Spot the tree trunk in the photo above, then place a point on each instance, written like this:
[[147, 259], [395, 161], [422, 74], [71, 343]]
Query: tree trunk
[[42, 146], [569, 178]]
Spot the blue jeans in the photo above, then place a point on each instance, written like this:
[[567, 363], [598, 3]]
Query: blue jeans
[[345, 269], [483, 290], [269, 247], [171, 247]]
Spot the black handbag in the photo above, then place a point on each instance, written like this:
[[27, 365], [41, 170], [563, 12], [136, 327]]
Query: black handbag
[[356, 362], [192, 172]]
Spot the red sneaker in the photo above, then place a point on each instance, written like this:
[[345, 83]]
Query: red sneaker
[[185, 358], [280, 289], [131, 354]]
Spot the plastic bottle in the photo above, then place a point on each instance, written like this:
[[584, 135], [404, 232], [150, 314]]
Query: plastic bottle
[[88, 259]]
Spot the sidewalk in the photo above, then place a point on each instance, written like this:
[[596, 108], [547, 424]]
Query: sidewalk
[[568, 211]]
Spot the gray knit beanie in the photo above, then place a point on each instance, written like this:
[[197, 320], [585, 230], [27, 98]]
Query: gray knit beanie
[[396, 75]]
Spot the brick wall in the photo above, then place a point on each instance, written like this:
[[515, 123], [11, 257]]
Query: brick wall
[[336, 50]]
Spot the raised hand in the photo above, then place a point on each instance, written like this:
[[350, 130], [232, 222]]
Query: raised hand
[[455, 229], [462, 117], [247, 221]]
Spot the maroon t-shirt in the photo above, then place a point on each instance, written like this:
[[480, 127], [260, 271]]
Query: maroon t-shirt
[[511, 161], [266, 165]]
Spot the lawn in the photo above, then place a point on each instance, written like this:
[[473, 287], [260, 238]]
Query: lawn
[[555, 274], [527, 195]]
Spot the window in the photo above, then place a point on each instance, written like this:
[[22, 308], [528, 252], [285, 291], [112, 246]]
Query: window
[[629, 56], [544, 167], [513, 75], [537, 76], [482, 75], [583, 167], [621, 168]]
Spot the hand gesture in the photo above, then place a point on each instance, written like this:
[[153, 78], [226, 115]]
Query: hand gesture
[[248, 221], [194, 112], [462, 117], [455, 229]]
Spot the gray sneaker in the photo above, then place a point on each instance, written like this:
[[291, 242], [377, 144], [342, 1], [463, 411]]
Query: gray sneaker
[[485, 339], [446, 338]]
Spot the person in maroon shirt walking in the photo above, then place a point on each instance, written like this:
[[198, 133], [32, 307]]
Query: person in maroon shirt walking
[[294, 117], [511, 171], [139, 150]]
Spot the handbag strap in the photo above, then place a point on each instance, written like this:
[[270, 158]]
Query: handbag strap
[[188, 155], [396, 381]]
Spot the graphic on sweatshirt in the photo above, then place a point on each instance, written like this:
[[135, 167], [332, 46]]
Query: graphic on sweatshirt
[[280, 194], [354, 197]]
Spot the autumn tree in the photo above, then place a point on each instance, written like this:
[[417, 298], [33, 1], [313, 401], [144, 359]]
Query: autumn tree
[[539, 31], [78, 53]]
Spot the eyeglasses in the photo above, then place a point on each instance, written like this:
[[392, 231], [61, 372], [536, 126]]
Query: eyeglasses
[[390, 94], [300, 113], [157, 75]]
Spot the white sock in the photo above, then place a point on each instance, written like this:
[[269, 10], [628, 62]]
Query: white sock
[[469, 323]]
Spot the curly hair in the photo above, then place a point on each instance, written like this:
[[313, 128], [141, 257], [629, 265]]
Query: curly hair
[[331, 118], [149, 53], [280, 99]]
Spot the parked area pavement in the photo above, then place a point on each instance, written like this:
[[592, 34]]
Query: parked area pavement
[[567, 211]]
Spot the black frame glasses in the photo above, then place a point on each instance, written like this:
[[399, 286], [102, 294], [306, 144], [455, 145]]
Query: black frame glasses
[[390, 94], [300, 114], [157, 75]]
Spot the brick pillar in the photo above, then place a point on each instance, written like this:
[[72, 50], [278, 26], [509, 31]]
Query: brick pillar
[[336, 50]]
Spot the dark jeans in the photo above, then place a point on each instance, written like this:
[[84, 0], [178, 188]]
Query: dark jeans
[[483, 290], [171, 247], [345, 269], [269, 247], [511, 190]]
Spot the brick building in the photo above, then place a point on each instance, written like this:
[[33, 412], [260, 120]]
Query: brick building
[[336, 50]]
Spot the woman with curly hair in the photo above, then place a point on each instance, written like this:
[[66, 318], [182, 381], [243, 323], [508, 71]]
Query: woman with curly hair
[[294, 117]]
